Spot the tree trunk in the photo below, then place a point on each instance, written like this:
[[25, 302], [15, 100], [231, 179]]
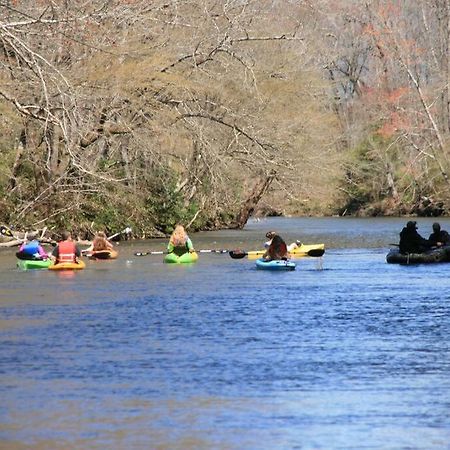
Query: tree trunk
[[17, 160], [250, 204]]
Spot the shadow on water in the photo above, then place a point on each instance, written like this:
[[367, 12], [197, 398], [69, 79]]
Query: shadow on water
[[136, 354]]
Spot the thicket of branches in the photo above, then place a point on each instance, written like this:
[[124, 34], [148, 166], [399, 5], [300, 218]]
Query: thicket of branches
[[121, 112], [391, 79]]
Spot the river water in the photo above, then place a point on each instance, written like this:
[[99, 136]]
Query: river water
[[345, 352]]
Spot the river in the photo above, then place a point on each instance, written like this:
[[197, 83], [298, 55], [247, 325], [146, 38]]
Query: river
[[345, 352]]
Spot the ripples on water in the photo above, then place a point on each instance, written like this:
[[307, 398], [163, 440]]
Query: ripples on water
[[136, 354]]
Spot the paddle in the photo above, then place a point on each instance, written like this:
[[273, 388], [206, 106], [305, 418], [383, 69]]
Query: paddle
[[5, 231], [239, 254], [126, 230], [316, 252], [166, 253]]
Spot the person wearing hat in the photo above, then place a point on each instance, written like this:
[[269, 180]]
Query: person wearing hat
[[439, 238], [269, 235], [411, 241]]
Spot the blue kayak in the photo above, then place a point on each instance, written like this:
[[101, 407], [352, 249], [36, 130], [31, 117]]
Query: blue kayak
[[275, 264]]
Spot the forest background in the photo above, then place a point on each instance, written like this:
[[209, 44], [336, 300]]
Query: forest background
[[148, 113]]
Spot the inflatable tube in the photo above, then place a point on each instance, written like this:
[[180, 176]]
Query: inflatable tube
[[172, 258], [275, 264], [26, 264], [103, 254], [437, 255], [68, 266]]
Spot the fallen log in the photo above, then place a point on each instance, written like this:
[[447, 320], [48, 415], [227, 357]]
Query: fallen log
[[12, 243], [16, 238]]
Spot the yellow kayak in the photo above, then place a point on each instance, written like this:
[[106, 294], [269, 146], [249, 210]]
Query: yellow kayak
[[68, 266], [299, 252]]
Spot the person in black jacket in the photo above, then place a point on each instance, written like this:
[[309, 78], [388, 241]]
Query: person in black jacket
[[411, 241], [439, 237]]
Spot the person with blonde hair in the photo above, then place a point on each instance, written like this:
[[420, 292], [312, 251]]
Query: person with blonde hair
[[179, 242]]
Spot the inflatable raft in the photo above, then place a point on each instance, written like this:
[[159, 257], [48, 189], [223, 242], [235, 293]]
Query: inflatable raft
[[275, 264], [26, 264], [437, 255], [172, 258], [103, 254], [68, 266]]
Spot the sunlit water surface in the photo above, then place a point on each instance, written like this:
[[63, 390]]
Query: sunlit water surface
[[345, 352]]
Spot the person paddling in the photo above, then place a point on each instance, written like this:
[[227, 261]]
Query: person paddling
[[66, 250], [271, 234], [179, 242], [277, 249], [99, 244], [32, 250], [411, 241]]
